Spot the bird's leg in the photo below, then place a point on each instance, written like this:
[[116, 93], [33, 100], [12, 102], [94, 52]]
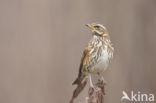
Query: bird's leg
[[102, 83], [90, 80], [101, 77]]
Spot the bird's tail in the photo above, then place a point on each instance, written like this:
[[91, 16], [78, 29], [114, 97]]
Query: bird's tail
[[79, 79]]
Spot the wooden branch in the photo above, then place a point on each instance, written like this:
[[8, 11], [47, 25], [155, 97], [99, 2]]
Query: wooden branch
[[95, 94]]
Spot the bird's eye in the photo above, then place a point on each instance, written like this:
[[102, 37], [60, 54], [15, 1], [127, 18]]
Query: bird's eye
[[96, 27]]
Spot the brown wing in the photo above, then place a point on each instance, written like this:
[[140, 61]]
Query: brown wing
[[84, 60]]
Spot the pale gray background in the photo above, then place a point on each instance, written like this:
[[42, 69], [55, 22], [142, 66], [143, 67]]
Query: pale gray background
[[41, 42]]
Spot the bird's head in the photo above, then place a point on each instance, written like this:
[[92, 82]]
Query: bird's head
[[98, 29]]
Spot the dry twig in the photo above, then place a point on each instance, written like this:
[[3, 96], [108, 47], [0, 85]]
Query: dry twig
[[95, 94]]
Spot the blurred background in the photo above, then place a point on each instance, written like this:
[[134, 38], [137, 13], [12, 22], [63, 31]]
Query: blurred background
[[41, 43]]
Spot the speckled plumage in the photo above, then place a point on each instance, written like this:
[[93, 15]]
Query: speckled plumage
[[97, 55], [101, 52]]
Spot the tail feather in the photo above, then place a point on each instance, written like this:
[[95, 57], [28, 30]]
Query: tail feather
[[79, 80]]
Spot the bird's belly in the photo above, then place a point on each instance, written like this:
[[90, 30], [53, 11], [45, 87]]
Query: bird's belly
[[102, 63]]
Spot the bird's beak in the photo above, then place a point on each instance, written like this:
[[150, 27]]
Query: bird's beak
[[90, 26], [104, 35]]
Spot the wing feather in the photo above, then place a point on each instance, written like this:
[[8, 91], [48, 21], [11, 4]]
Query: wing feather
[[84, 60]]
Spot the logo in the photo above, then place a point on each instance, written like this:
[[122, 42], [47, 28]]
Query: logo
[[137, 96]]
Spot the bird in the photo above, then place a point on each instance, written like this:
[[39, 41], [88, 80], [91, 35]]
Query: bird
[[97, 55]]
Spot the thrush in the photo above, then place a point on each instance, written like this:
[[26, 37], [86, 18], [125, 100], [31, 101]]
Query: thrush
[[97, 55]]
